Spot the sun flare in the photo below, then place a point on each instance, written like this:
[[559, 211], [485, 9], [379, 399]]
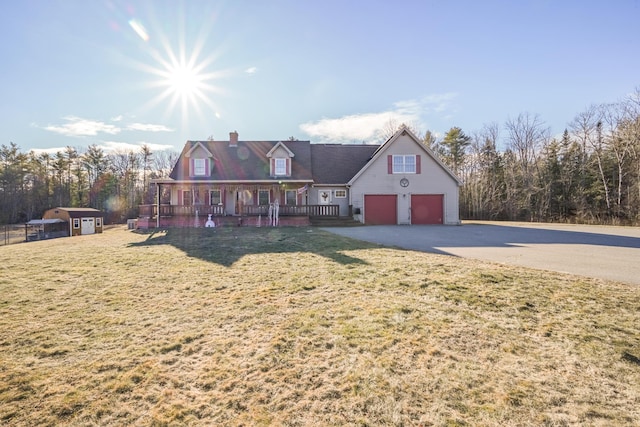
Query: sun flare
[[183, 81], [184, 77]]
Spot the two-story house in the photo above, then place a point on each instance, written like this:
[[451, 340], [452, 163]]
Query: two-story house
[[398, 182]]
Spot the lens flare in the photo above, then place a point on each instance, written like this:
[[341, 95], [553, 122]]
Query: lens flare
[[182, 71]]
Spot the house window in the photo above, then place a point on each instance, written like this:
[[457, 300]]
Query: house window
[[187, 198], [263, 197], [280, 167], [76, 222], [404, 163], [291, 197], [214, 197], [340, 194], [199, 167], [98, 222]]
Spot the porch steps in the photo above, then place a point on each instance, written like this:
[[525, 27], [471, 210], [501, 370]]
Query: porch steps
[[334, 222]]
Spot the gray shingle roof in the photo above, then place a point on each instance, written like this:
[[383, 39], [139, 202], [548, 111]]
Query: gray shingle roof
[[338, 163], [322, 163], [247, 161]]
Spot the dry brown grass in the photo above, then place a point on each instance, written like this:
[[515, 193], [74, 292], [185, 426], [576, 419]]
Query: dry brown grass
[[302, 327]]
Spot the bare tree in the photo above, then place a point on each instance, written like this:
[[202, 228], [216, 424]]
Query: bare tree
[[392, 125], [526, 134]]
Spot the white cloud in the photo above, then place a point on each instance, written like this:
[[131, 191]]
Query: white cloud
[[52, 150], [251, 70], [356, 127], [117, 118], [147, 127], [371, 126], [77, 126], [117, 146]]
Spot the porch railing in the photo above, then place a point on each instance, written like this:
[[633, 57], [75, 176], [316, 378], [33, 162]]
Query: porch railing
[[218, 210]]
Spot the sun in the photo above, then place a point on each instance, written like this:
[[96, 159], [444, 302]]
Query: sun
[[185, 78], [184, 81]]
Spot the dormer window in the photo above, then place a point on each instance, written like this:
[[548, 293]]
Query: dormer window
[[200, 160], [199, 167], [280, 167], [280, 160]]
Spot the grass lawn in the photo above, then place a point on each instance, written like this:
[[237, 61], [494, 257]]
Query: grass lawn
[[296, 327]]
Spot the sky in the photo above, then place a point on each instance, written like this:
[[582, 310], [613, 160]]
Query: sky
[[120, 73]]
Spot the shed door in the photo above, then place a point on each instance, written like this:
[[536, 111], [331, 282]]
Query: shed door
[[87, 226], [380, 209], [426, 208]]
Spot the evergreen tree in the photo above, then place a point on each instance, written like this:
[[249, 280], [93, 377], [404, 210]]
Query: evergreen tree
[[454, 146]]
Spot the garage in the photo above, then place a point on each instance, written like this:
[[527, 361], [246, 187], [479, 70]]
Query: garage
[[380, 209], [427, 208]]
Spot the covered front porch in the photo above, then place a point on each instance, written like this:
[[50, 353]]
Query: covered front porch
[[260, 204]]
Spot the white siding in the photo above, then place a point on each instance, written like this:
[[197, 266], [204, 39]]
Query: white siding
[[433, 179]]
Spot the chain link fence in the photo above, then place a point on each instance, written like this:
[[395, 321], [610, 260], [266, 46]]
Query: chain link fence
[[14, 233]]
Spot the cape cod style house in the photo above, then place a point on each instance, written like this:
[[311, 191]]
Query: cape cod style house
[[258, 182]]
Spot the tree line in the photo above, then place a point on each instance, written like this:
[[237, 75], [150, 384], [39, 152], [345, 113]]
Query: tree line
[[116, 183], [516, 171], [589, 174]]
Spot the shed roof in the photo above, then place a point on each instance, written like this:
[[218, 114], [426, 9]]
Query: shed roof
[[78, 212], [45, 221]]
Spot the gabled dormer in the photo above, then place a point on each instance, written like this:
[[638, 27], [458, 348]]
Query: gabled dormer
[[200, 160], [280, 158]]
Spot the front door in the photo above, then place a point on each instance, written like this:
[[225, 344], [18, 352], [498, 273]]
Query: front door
[[324, 197], [230, 202]]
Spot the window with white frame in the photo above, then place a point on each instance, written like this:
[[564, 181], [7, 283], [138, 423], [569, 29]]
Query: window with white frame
[[214, 197], [187, 198], [340, 194], [76, 222], [263, 197], [291, 197], [98, 222], [199, 167], [404, 163], [280, 167]]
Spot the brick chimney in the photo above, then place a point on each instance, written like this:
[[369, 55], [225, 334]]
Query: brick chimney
[[233, 139]]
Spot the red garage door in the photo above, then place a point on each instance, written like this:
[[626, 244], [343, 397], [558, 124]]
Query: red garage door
[[380, 209], [426, 208]]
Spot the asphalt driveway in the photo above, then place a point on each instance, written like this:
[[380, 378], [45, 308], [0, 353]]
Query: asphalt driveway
[[595, 251]]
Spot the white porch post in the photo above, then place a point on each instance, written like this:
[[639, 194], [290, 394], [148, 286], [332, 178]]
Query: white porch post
[[157, 205]]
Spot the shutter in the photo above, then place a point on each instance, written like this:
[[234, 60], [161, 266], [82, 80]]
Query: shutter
[[180, 197], [418, 163], [273, 167], [389, 164], [191, 168], [288, 163]]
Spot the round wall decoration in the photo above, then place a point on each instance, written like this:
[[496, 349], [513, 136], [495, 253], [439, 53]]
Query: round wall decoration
[[404, 182]]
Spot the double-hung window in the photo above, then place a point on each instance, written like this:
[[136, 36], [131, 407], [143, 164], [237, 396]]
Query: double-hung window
[[214, 197], [291, 197], [263, 197], [280, 167], [404, 163], [199, 167]]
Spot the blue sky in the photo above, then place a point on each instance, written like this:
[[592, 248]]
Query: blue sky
[[120, 74]]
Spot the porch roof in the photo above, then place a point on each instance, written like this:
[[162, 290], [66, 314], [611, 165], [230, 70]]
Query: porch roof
[[222, 182]]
